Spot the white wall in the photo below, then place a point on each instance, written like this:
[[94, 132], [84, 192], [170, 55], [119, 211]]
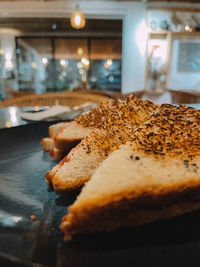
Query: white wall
[[134, 48]]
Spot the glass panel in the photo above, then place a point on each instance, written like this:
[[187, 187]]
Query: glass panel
[[57, 64], [67, 48], [33, 56], [105, 71], [47, 54], [106, 48], [71, 72]]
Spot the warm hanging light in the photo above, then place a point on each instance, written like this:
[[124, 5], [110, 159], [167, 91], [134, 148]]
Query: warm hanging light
[[80, 51], [77, 20], [109, 62]]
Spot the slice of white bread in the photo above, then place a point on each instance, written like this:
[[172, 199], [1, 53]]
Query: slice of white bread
[[53, 171], [155, 176], [56, 154], [48, 142], [65, 135], [72, 174], [133, 192], [95, 117], [56, 128], [92, 119], [63, 138], [83, 125], [116, 128], [73, 132]]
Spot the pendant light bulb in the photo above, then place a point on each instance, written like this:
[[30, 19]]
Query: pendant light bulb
[[77, 19]]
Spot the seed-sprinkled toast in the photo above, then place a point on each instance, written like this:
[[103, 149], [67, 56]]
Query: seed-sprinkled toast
[[76, 130], [66, 135], [48, 142], [116, 128], [153, 176]]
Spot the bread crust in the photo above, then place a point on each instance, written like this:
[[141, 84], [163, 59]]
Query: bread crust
[[53, 171], [171, 134], [66, 144], [61, 187], [47, 143], [56, 154], [114, 130], [135, 218], [131, 208], [55, 128]]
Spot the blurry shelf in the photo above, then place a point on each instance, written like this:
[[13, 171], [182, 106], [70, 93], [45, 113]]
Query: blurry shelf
[[164, 34], [158, 34]]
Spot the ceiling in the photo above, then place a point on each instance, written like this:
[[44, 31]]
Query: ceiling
[[62, 25], [94, 27], [182, 1]]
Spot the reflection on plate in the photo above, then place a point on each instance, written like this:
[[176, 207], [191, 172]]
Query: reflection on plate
[[48, 114], [34, 109], [57, 112]]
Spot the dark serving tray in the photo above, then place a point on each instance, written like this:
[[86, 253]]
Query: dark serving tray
[[24, 242]]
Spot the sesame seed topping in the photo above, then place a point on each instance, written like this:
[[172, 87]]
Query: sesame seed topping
[[156, 130]]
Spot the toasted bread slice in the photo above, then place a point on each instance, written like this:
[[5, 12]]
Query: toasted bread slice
[[53, 171], [48, 142], [71, 174], [133, 192], [92, 119], [83, 125], [118, 126], [155, 176], [65, 135], [56, 128], [56, 154], [89, 120], [73, 132]]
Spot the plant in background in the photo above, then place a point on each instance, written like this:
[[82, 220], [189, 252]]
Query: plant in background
[[156, 69]]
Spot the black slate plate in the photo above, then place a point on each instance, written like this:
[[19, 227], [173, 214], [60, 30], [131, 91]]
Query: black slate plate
[[24, 242]]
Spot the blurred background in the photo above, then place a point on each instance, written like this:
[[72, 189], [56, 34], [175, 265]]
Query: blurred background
[[152, 47]]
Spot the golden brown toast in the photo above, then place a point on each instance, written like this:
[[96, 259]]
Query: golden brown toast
[[153, 176], [117, 127], [65, 135]]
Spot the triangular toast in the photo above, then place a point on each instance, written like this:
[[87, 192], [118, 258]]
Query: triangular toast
[[156, 175], [76, 130], [116, 128], [65, 135], [82, 126]]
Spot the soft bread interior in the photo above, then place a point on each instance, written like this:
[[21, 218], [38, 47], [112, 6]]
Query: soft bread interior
[[74, 173], [129, 182], [72, 132], [117, 127], [55, 128], [47, 143], [56, 154], [156, 175], [128, 170]]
